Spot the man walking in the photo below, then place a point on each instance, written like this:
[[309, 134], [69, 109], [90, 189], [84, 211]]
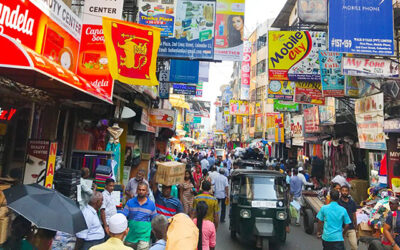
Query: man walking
[[204, 164], [108, 208], [351, 208], [159, 227], [331, 218], [130, 189], [296, 187], [211, 201], [221, 191], [166, 204], [139, 210]]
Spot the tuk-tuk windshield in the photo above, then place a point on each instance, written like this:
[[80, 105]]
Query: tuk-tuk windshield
[[261, 188]]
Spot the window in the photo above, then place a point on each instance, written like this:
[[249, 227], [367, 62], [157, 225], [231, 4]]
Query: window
[[261, 67], [261, 188], [253, 71], [261, 42], [259, 94]]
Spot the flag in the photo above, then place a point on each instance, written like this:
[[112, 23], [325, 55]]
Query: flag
[[132, 51]]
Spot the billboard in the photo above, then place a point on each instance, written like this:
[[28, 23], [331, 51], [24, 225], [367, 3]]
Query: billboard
[[163, 118], [293, 55], [361, 27], [311, 120], [158, 13], [285, 106], [281, 90], [184, 71], [313, 11], [194, 31], [369, 67], [309, 93], [229, 30], [238, 107], [331, 73]]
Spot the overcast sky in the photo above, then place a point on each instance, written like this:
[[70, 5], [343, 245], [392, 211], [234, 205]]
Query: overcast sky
[[257, 11]]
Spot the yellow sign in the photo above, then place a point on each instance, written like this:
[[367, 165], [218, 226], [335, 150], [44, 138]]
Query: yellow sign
[[275, 127], [51, 168], [239, 119]]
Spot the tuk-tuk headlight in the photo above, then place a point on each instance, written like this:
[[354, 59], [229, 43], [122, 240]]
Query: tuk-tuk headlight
[[281, 215], [244, 213]]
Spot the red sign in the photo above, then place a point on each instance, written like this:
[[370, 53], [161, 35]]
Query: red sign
[[311, 120], [7, 114], [309, 93]]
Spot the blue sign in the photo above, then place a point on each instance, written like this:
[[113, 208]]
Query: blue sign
[[183, 89], [331, 76], [361, 27], [184, 71]]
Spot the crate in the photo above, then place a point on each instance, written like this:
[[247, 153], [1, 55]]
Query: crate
[[170, 173]]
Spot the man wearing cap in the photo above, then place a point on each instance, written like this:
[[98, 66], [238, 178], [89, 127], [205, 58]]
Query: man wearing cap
[[118, 229], [303, 178]]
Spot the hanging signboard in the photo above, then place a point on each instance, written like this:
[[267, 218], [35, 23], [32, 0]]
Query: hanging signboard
[[163, 90], [311, 120], [184, 71], [229, 30], [281, 90], [158, 13], [200, 108], [331, 73], [237, 107], [370, 67], [199, 89], [275, 127], [309, 93], [356, 86], [204, 71], [194, 31], [184, 89], [313, 11], [391, 126], [94, 10], [370, 119], [285, 106], [36, 159], [297, 130], [245, 71], [293, 55], [327, 112], [51, 165], [361, 27], [163, 118]]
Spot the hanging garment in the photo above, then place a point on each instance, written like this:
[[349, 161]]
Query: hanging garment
[[116, 149]]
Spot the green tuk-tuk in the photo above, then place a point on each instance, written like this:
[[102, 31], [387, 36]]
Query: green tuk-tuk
[[259, 206]]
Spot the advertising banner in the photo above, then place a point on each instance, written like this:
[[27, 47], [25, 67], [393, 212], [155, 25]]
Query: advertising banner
[[184, 71], [229, 30], [370, 119], [393, 160], [313, 11], [285, 106], [281, 90], [94, 10], [327, 113], [158, 13], [297, 130], [204, 71], [309, 93], [237, 107], [259, 123], [51, 165], [275, 127], [163, 118], [373, 35], [245, 71], [331, 73], [356, 86], [200, 108], [391, 126], [36, 159], [311, 120], [370, 67], [293, 55], [184, 89], [131, 51], [194, 31]]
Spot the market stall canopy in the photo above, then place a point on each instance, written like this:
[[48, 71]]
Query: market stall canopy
[[178, 101], [28, 67]]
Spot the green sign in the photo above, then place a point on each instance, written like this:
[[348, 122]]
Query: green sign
[[196, 119], [280, 106]]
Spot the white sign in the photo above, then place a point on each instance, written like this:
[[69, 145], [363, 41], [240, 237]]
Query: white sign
[[94, 10], [369, 67], [297, 130]]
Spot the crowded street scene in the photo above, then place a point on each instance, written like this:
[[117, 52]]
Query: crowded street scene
[[199, 124]]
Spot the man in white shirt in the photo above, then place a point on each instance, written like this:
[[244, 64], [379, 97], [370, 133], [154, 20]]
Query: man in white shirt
[[131, 188], [94, 234], [108, 208], [340, 179], [213, 174], [221, 187], [204, 164], [303, 178]]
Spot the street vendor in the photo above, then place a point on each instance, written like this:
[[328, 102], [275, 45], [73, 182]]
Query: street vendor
[[391, 229]]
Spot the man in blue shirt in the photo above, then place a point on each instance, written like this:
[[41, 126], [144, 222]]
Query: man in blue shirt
[[296, 187], [332, 217], [166, 204], [211, 160]]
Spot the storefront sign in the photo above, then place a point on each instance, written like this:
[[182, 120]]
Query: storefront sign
[[331, 76], [200, 108], [281, 90], [313, 11], [356, 86], [393, 160], [7, 114], [285, 106], [370, 67], [229, 30], [391, 126], [311, 120], [275, 127], [194, 31], [245, 73], [163, 118], [158, 13], [373, 36], [297, 130], [309, 93], [131, 51], [327, 112], [370, 119], [36, 159], [184, 71], [94, 10], [51, 165], [184, 89], [293, 55], [238, 107]]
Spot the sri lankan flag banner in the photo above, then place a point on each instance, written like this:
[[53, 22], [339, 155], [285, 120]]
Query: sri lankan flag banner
[[132, 51]]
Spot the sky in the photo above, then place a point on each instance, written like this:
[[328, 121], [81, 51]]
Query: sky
[[257, 11]]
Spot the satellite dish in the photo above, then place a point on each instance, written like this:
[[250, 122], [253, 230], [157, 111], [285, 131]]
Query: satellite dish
[[127, 113]]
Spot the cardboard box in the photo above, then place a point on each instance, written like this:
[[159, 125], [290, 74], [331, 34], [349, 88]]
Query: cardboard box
[[364, 229], [170, 173]]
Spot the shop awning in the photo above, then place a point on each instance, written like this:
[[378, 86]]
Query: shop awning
[[28, 67], [178, 101]]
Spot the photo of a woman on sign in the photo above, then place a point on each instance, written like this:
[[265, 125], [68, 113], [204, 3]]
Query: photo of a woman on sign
[[235, 30]]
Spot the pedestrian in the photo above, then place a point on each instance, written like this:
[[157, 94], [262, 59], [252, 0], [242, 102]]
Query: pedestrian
[[296, 187], [197, 174], [159, 226], [207, 232], [341, 179], [94, 234], [187, 192], [211, 201], [109, 207], [21, 235], [303, 178], [118, 229], [166, 204], [221, 191], [87, 188], [204, 164], [139, 210], [335, 186], [213, 173], [211, 160], [130, 189], [351, 208], [205, 177], [333, 222], [391, 228]]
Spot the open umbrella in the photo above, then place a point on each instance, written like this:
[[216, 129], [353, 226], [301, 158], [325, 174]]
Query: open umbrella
[[46, 208]]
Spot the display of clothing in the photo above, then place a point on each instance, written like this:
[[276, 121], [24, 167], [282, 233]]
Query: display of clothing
[[114, 146]]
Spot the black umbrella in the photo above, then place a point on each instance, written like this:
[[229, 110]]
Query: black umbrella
[[46, 208]]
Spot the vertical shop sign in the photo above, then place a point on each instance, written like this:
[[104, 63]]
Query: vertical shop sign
[[163, 90], [36, 159], [327, 112], [311, 120], [393, 157], [245, 71], [275, 127], [297, 130], [51, 165], [158, 13], [331, 76], [309, 93], [229, 30]]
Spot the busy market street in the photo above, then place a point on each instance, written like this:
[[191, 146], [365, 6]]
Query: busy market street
[[199, 124]]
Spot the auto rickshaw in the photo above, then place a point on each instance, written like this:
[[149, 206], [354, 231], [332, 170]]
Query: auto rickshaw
[[259, 206]]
